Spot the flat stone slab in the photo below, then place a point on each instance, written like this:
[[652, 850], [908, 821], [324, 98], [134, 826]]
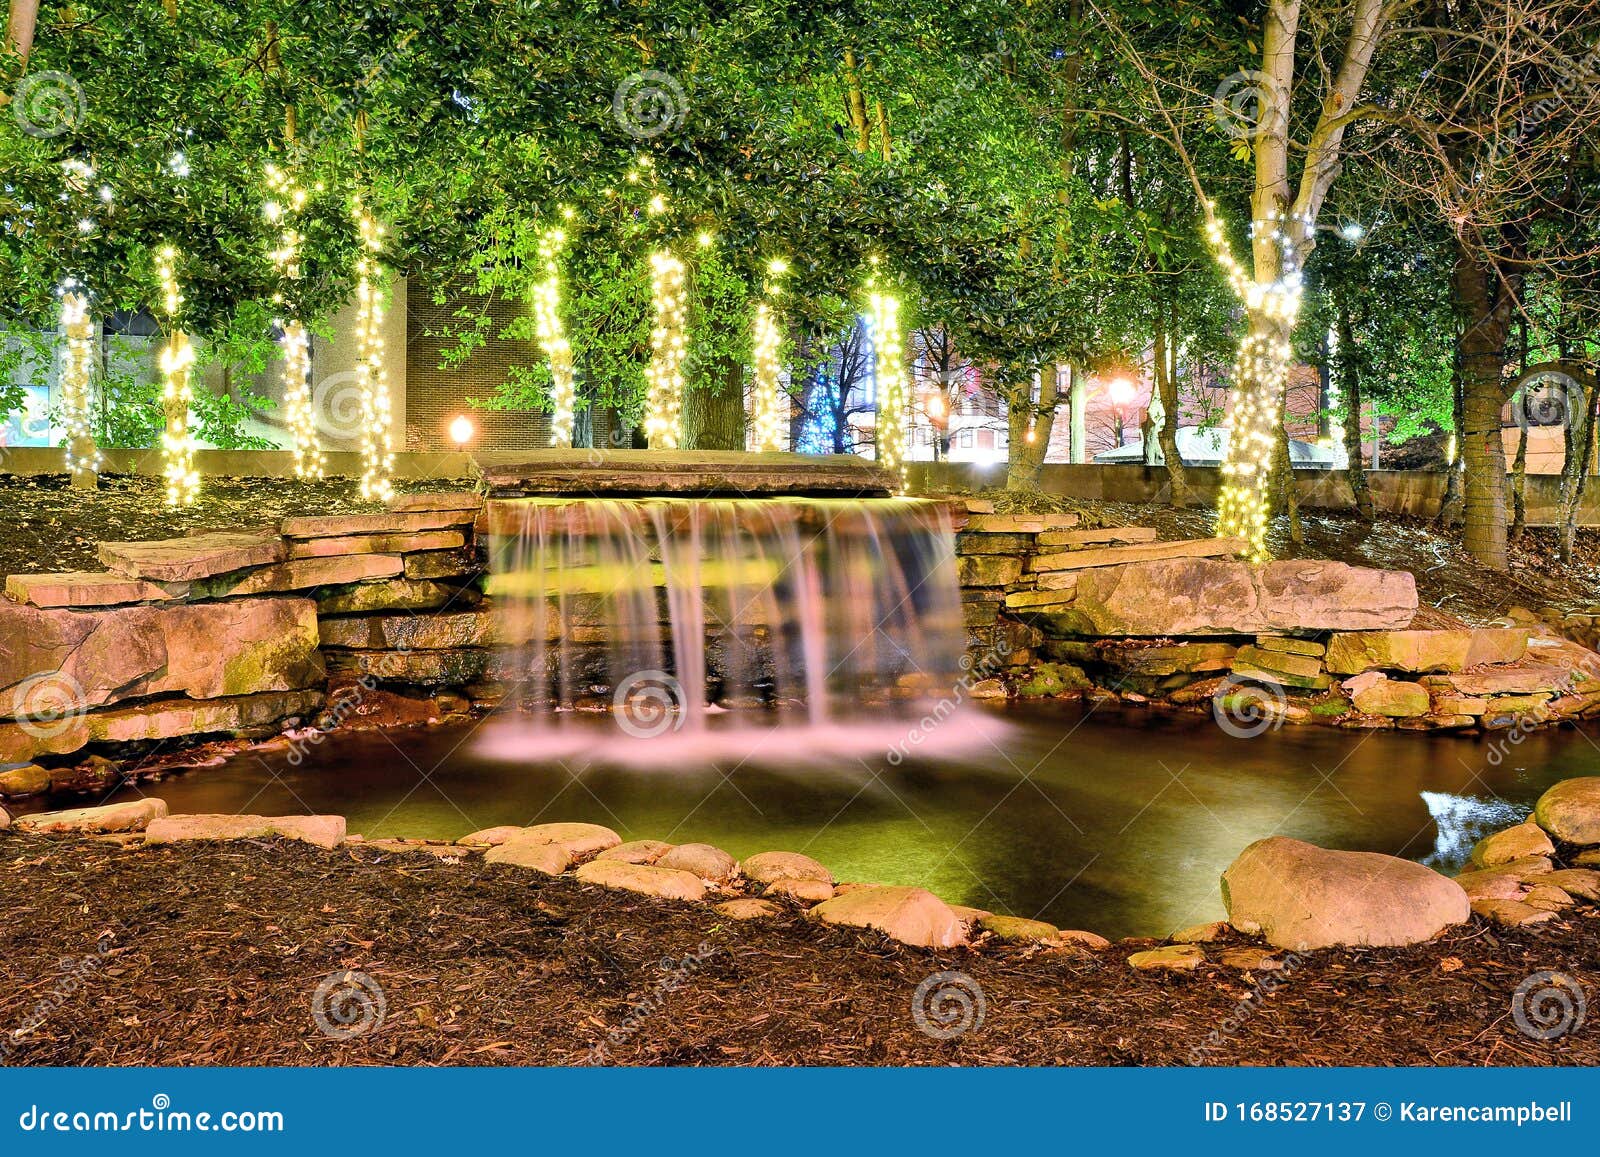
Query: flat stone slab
[[1018, 523], [443, 668], [1171, 958], [437, 500], [83, 589], [177, 560], [432, 632], [1207, 596], [1416, 652], [345, 525], [307, 573], [162, 719], [376, 543], [129, 816], [1137, 552], [1526, 679], [398, 594], [321, 830], [699, 473], [1105, 536]]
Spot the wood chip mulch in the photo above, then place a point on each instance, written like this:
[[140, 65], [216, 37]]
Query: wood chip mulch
[[213, 953]]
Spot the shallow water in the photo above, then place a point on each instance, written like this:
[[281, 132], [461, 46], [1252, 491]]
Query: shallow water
[[1110, 820]]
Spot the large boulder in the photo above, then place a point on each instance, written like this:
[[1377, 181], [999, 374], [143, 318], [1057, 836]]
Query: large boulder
[[910, 915], [1206, 596], [323, 831], [770, 867], [1416, 652], [129, 816], [1300, 896], [1570, 811]]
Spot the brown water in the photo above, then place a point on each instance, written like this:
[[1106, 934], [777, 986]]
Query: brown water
[[1119, 822]]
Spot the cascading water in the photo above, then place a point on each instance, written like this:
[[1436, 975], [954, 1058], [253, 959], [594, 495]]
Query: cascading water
[[667, 610]]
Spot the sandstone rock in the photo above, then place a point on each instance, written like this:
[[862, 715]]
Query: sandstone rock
[[1101, 537], [1391, 697], [439, 631], [646, 879], [164, 719], [802, 891], [324, 831], [1511, 913], [82, 589], [1570, 811], [1020, 523], [1527, 679], [1015, 929], [1200, 933], [494, 836], [747, 909], [636, 852], [404, 522], [770, 867], [442, 564], [5, 820], [1291, 645], [1281, 667], [1575, 881], [1215, 597], [1299, 896], [1138, 552], [1172, 958], [1417, 652], [56, 663], [580, 840], [453, 668], [540, 855], [435, 500], [704, 860], [376, 544], [909, 915], [24, 781], [988, 570], [1526, 839], [303, 574], [399, 594], [129, 816], [1589, 859], [987, 689], [177, 560], [1077, 938], [1458, 705], [968, 915], [1491, 884], [1252, 960], [1547, 898]]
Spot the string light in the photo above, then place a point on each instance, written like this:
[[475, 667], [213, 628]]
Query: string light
[[1261, 371], [77, 364], [294, 342], [553, 337], [893, 383], [767, 416], [177, 358], [372, 379], [664, 376]]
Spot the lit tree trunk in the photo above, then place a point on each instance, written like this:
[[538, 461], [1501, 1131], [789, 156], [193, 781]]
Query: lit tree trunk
[[1577, 446], [713, 411], [20, 24], [1283, 484], [1519, 486], [1350, 398], [1028, 428], [1483, 455], [1166, 367], [1450, 511]]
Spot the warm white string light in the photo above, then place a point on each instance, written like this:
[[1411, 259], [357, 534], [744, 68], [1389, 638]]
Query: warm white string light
[[893, 383], [664, 376], [553, 337], [294, 343], [767, 417], [1261, 371], [372, 378], [177, 359], [77, 401]]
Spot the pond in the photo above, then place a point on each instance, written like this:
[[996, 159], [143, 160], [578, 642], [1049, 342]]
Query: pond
[[1113, 820]]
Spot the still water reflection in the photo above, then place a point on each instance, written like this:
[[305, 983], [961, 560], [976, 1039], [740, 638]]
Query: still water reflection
[[1113, 821]]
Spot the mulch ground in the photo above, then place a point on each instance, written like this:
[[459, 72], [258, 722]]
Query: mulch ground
[[212, 954]]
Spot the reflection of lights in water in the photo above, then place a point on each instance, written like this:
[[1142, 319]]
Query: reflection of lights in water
[[1462, 821]]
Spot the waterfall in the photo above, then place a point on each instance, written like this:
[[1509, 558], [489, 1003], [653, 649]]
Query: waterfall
[[668, 610]]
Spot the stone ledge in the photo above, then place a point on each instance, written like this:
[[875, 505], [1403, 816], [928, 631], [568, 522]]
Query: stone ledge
[[198, 557]]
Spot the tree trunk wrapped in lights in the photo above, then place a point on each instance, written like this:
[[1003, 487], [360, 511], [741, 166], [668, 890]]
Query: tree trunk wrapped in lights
[[553, 338], [77, 401], [177, 359], [768, 415], [893, 383], [664, 398], [372, 378], [294, 342]]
